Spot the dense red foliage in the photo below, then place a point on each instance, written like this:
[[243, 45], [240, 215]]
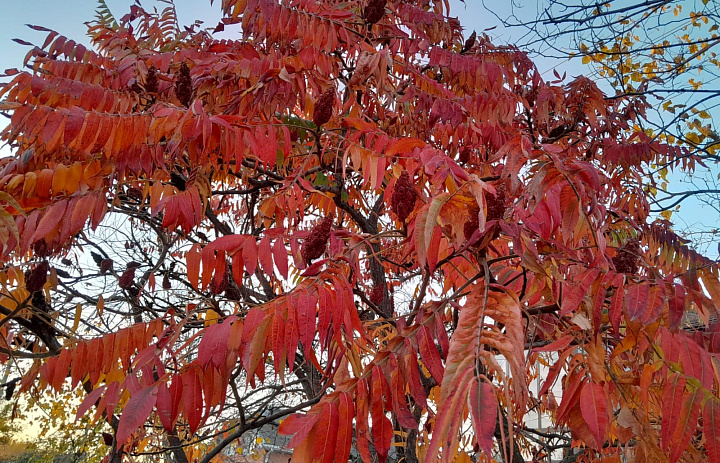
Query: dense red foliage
[[297, 189]]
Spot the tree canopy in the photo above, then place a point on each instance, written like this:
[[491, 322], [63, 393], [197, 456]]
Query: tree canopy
[[353, 222], [665, 51]]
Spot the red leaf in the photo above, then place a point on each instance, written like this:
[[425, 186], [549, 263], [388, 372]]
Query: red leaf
[[616, 306], [228, 243], [363, 429], [277, 342], [671, 405], [655, 302], [280, 257], [636, 300], [483, 408], [676, 305], [135, 413], [250, 254], [50, 220], [164, 407], [306, 318], [192, 397], [402, 413], [79, 363], [711, 428], [411, 372], [429, 353], [327, 428], [593, 405], [193, 257], [61, 369], [213, 345], [89, 401], [382, 431], [573, 295], [109, 401], [299, 425], [569, 397], [346, 412], [687, 424], [557, 345], [265, 255]]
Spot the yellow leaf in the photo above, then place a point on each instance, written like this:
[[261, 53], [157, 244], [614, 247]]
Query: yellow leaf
[[666, 215], [211, 317], [78, 314]]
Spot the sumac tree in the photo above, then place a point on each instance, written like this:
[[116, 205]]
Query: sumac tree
[[354, 219]]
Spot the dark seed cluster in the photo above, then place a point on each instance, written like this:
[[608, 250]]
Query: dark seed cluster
[[151, 81], [377, 295], [626, 259], [106, 265], [217, 287], [41, 249], [233, 293], [37, 277], [374, 11], [127, 279], [403, 198], [496, 204], [472, 224], [314, 245], [183, 85], [324, 107]]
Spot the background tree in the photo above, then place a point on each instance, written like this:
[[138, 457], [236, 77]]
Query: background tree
[[666, 52], [357, 221]]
